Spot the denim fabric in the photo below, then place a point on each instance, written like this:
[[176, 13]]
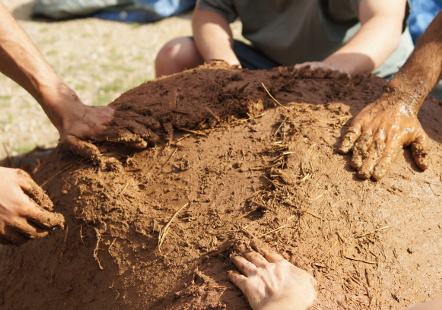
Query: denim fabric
[[422, 13]]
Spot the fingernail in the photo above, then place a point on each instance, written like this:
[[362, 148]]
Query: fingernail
[[364, 174]]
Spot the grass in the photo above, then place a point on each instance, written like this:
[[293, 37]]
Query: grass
[[23, 148], [118, 67], [80, 87], [103, 99], [51, 52]]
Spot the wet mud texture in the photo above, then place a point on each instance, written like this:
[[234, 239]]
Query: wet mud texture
[[233, 162]]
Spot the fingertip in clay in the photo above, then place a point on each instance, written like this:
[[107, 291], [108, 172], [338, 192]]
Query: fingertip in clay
[[421, 155]]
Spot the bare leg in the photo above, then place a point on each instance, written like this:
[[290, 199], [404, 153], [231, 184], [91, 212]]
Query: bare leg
[[176, 56]]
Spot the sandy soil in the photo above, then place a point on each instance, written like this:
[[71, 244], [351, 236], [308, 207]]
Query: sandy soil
[[99, 59], [234, 164]]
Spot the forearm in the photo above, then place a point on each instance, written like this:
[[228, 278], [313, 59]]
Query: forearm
[[423, 69], [21, 61], [378, 37], [213, 36], [285, 304], [366, 51]]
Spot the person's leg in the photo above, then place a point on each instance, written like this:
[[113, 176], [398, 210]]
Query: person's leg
[[177, 55]]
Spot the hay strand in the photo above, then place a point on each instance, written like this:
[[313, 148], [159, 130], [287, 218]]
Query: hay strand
[[271, 96], [165, 230]]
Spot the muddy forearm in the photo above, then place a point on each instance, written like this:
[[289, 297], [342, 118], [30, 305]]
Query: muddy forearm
[[423, 69], [213, 36]]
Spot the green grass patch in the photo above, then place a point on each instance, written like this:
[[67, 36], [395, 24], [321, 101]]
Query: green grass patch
[[80, 87], [112, 87], [118, 67], [23, 148], [103, 99]]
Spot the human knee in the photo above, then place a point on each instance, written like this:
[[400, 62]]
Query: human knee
[[177, 55]]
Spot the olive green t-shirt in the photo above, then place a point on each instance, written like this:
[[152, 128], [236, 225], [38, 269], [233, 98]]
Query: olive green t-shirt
[[296, 31]]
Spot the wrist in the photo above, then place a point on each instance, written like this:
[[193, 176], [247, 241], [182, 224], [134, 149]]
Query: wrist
[[285, 303], [408, 101], [59, 103]]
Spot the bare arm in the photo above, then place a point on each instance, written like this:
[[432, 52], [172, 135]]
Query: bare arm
[[423, 69], [21, 61], [22, 212], [379, 35], [213, 36], [390, 123]]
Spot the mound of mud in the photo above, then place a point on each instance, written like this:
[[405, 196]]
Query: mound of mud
[[242, 154]]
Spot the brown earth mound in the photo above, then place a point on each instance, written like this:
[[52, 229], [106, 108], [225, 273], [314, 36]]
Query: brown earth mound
[[234, 162]]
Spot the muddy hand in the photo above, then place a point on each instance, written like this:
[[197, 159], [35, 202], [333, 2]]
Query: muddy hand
[[24, 209], [271, 282], [377, 134], [320, 70], [106, 124]]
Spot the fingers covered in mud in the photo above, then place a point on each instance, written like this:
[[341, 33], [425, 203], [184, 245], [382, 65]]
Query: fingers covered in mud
[[25, 209], [82, 148], [373, 154], [350, 138], [131, 129], [39, 210], [420, 151], [379, 132], [320, 70], [127, 127], [90, 152], [35, 192]]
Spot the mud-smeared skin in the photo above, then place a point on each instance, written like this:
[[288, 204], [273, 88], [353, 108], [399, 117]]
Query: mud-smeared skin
[[241, 164], [126, 127], [25, 209], [131, 129], [90, 152], [380, 130]]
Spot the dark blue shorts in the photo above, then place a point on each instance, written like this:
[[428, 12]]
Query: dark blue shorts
[[252, 58]]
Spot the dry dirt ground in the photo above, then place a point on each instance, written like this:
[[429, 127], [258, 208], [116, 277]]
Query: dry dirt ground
[[99, 59], [154, 230]]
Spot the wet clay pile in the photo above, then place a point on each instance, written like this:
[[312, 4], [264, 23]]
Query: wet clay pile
[[242, 155]]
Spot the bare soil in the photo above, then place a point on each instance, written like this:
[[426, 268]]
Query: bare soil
[[242, 155]]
